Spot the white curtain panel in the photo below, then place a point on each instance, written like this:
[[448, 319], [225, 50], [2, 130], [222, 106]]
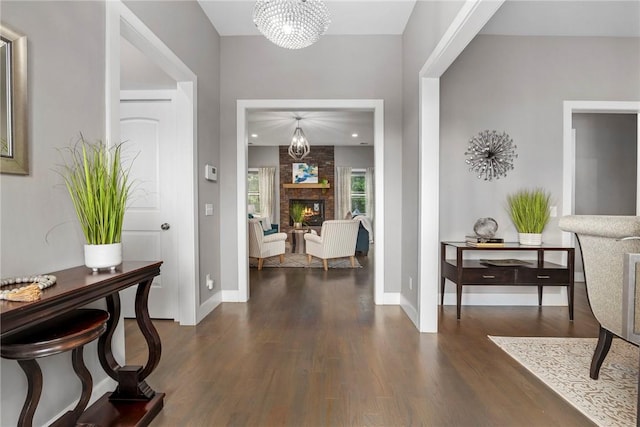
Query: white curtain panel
[[343, 191], [369, 188], [267, 189]]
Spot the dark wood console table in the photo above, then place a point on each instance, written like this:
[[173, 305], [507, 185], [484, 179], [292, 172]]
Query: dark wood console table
[[540, 273], [133, 402]]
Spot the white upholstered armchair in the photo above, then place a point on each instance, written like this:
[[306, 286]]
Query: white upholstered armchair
[[604, 243], [261, 246], [337, 239]]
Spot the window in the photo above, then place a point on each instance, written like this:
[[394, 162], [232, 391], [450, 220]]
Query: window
[[253, 189], [358, 194]]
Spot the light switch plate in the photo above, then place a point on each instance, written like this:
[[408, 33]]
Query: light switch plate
[[210, 173]]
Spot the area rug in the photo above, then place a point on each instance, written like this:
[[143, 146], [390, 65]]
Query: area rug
[[563, 364], [300, 261]]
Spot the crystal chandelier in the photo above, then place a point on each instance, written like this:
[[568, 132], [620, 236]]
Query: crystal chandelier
[[299, 147], [292, 24]]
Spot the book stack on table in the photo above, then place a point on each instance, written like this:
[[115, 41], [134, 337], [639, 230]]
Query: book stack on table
[[483, 242]]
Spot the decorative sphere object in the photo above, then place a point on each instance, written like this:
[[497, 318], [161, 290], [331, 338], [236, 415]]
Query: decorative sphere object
[[485, 227]]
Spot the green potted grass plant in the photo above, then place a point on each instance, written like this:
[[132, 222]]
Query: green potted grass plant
[[297, 214], [529, 212], [99, 187]]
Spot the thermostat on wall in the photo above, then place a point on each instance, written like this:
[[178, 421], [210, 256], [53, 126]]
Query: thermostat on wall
[[210, 173]]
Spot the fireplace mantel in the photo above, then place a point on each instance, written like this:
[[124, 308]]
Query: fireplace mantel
[[305, 185]]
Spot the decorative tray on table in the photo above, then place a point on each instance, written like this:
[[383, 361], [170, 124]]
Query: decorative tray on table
[[504, 262]]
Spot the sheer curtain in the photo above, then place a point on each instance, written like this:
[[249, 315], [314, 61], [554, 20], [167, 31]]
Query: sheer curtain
[[369, 188], [266, 187], [343, 191]]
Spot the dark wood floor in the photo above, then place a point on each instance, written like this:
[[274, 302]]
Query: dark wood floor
[[311, 349]]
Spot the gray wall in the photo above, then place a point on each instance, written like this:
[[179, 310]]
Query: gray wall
[[66, 96], [354, 156], [39, 229], [185, 29], [606, 157], [337, 67], [425, 28], [518, 85]]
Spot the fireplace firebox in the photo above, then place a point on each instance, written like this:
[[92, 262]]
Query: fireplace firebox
[[313, 212]]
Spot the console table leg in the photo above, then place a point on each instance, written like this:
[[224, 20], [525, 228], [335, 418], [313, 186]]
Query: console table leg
[[458, 299], [105, 354], [570, 297], [34, 390], [442, 280], [540, 295]]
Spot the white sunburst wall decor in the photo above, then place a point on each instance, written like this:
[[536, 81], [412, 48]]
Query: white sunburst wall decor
[[491, 154]]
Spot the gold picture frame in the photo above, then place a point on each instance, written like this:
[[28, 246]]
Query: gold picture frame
[[14, 153]]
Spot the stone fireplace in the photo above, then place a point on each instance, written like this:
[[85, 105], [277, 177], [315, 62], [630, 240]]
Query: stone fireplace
[[323, 157], [313, 213]]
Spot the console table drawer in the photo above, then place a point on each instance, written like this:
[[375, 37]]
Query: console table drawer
[[543, 275], [488, 276]]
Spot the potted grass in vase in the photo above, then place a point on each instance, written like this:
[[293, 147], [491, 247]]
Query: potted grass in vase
[[99, 187], [297, 214], [529, 212]]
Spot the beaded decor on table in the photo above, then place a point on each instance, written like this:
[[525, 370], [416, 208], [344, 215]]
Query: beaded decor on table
[[29, 287]]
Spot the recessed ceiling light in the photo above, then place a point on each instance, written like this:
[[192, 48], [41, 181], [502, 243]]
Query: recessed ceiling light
[[354, 135], [254, 135]]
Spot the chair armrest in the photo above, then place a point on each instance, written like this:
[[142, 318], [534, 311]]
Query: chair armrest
[[275, 237], [312, 238]]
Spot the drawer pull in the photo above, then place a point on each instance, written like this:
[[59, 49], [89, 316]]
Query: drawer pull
[[486, 276], [543, 277]]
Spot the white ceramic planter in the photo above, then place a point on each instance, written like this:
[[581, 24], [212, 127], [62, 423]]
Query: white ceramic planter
[[103, 256], [530, 239]]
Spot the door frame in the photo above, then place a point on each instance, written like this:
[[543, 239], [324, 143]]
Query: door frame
[[243, 106], [121, 21], [569, 149], [473, 15]]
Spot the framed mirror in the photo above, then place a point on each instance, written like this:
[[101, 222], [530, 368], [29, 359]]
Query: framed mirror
[[14, 156]]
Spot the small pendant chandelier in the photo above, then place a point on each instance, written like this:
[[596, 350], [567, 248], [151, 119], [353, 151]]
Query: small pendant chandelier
[[292, 24], [299, 147]]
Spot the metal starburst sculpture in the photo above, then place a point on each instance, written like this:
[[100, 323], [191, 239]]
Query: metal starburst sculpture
[[491, 154]]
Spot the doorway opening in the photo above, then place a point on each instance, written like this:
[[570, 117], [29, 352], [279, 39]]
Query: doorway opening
[[245, 106], [571, 173], [122, 22]]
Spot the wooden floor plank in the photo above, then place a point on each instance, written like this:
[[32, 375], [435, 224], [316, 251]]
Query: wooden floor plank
[[311, 349]]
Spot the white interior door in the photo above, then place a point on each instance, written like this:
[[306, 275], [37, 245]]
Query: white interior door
[[150, 231]]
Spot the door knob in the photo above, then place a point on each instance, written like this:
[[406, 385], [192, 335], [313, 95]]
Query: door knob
[[165, 226]]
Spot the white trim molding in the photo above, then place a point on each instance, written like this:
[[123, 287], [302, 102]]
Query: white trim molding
[[122, 22], [473, 15], [569, 148]]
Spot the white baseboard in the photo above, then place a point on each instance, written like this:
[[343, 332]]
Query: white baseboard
[[107, 385], [391, 298], [549, 297], [410, 311], [231, 296], [208, 306], [578, 277]]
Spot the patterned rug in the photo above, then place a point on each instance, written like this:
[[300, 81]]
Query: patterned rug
[[300, 261], [563, 364]]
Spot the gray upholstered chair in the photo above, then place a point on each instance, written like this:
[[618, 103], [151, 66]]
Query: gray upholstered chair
[[604, 241], [337, 239], [263, 246]]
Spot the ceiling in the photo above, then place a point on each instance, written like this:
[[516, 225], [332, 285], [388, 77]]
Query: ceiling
[[234, 18], [334, 127], [369, 17], [515, 17]]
